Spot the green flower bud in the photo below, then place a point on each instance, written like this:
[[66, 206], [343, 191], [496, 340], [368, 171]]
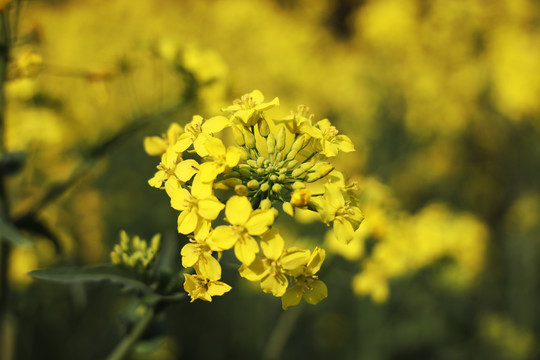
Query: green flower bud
[[237, 134], [271, 143], [297, 185], [276, 188], [292, 164], [319, 173], [264, 130], [280, 139], [249, 139], [288, 208], [241, 190], [265, 187], [253, 184], [115, 258], [265, 204]]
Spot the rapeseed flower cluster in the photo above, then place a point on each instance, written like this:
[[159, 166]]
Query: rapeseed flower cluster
[[268, 166]]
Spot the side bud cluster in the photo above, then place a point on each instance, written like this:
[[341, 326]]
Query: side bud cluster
[[135, 252]]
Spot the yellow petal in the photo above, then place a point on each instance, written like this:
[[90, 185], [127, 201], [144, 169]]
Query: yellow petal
[[238, 210], [259, 221], [268, 105], [257, 96], [292, 296], [233, 156], [275, 285], [272, 244], [316, 292], [209, 267], [254, 272], [214, 146], [218, 288], [200, 189], [186, 169], [215, 124], [183, 143], [343, 230], [158, 179], [294, 258], [344, 143], [173, 132], [190, 283], [245, 250], [209, 171], [198, 144], [187, 221], [245, 115], [222, 238], [333, 194], [316, 260], [179, 198], [210, 208], [154, 145], [189, 255]]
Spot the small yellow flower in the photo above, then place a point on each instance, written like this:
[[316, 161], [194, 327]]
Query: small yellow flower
[[275, 264], [166, 168], [198, 131], [249, 108], [222, 159], [327, 140], [198, 254], [296, 121], [307, 286], [199, 287], [245, 223], [195, 207], [334, 207]]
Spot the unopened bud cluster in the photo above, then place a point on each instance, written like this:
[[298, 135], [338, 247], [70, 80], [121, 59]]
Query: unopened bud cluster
[[135, 252]]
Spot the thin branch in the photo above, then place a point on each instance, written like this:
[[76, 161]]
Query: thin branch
[[125, 346]]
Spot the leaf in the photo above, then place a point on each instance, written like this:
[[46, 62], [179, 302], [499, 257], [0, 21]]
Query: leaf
[[112, 273], [12, 234]]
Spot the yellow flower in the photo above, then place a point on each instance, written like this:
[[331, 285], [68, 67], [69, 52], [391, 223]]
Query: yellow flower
[[271, 269], [327, 140], [249, 108], [198, 131], [334, 207], [198, 254], [297, 121], [307, 286], [166, 168], [222, 159], [157, 145], [245, 223], [196, 207], [199, 287]]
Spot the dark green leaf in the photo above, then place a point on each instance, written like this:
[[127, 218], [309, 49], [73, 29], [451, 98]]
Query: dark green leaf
[[112, 273]]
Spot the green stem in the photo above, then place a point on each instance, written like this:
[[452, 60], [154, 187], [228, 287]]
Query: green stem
[[125, 346]]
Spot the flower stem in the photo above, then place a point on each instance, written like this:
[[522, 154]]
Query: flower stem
[[125, 346]]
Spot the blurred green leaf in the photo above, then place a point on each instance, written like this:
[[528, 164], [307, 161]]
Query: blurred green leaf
[[10, 233], [112, 273]]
